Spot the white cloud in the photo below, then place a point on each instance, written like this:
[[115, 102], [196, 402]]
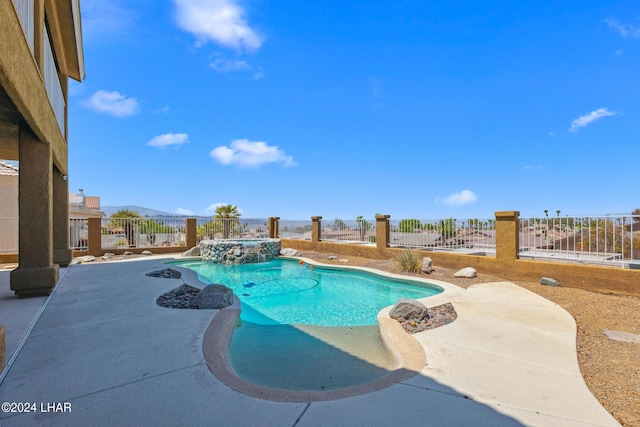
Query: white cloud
[[112, 103], [625, 30], [220, 21], [168, 139], [586, 119], [181, 211], [250, 154], [461, 198], [222, 65]]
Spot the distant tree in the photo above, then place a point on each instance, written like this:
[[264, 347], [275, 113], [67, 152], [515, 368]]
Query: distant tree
[[636, 215], [409, 225], [447, 229], [608, 235], [558, 212], [126, 219], [339, 224], [229, 216], [363, 226]]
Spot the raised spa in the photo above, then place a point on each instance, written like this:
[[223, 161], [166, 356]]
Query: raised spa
[[241, 251]]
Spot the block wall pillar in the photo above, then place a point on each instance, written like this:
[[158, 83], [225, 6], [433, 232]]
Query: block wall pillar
[[36, 273], [316, 224], [382, 231], [507, 235]]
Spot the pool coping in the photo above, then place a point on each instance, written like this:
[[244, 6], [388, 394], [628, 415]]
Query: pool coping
[[409, 353]]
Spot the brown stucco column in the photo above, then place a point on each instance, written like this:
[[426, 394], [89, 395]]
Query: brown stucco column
[[94, 236], [62, 253], [507, 235], [382, 231], [274, 226], [191, 234], [316, 223], [36, 273]]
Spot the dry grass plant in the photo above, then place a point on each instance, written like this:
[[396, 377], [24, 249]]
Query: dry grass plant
[[409, 260]]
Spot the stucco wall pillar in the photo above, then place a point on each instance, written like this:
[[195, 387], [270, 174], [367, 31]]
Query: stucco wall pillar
[[507, 235], [94, 236], [191, 232], [36, 273], [62, 253], [382, 231], [316, 224], [274, 227]]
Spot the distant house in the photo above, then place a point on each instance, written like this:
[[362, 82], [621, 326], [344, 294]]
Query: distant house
[[81, 208], [8, 208]]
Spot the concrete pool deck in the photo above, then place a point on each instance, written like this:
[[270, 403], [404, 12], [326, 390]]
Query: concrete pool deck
[[102, 345]]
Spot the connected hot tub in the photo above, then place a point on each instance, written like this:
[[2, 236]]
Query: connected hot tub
[[240, 251]]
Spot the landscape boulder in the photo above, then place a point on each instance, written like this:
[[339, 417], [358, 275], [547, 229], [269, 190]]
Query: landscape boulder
[[214, 296], [409, 309], [426, 265], [194, 251], [146, 252], [548, 281], [467, 272], [81, 259], [289, 252]]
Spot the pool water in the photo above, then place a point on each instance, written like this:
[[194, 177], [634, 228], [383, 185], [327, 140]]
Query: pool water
[[285, 292], [306, 327]]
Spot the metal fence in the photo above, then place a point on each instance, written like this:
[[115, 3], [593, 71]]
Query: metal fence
[[590, 240], [231, 228], [78, 234], [294, 229], [471, 236], [358, 230], [142, 232]]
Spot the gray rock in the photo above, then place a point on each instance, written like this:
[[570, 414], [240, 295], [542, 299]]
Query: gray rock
[[214, 296], [108, 255], [548, 281], [81, 259], [426, 265], [468, 272], [128, 253], [194, 251], [409, 309], [330, 257], [146, 252], [289, 252]]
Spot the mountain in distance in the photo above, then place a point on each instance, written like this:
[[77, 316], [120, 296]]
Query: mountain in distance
[[109, 210]]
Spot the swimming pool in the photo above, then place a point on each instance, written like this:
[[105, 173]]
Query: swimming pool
[[309, 328], [284, 291]]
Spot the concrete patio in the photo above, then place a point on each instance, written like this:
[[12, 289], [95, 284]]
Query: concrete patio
[[102, 345]]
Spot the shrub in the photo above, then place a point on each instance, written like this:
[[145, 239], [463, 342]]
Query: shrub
[[409, 261]]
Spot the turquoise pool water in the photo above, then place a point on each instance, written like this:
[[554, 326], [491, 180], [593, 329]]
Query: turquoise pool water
[[283, 292], [309, 328]]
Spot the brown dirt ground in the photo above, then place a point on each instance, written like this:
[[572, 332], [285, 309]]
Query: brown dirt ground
[[611, 369]]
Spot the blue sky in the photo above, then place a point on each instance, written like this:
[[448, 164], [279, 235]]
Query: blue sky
[[416, 109]]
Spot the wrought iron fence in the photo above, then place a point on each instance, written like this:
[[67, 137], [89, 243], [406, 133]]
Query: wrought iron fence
[[142, 232], [359, 230], [294, 229], [593, 240], [231, 228], [78, 234], [473, 235]]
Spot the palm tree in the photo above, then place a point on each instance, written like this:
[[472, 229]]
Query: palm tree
[[228, 214]]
